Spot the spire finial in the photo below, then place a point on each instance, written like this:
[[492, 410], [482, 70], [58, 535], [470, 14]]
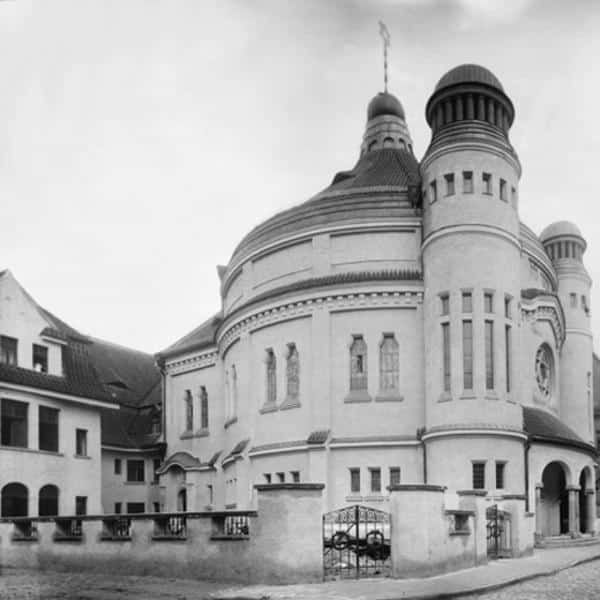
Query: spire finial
[[385, 36]]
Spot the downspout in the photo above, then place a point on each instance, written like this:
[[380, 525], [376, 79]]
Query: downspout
[[420, 433], [526, 450]]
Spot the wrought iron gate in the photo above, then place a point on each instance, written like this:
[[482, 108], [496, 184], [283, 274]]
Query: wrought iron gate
[[498, 532], [356, 543]]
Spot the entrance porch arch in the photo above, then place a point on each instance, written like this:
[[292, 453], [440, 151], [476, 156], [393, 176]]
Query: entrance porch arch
[[553, 506], [15, 500]]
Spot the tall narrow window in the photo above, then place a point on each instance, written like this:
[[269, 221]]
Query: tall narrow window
[[81, 448], [14, 423], [508, 343], [446, 355], [117, 466], [210, 491], [81, 505], [449, 177], [203, 408], [487, 183], [507, 307], [503, 194], [358, 363], [467, 302], [375, 479], [355, 481], [271, 377], [394, 475], [489, 355], [48, 429], [189, 411], [467, 182], [478, 475], [156, 462], [513, 196], [445, 302], [500, 467], [389, 363], [573, 300], [433, 192], [468, 355], [234, 391], [488, 302], [292, 371], [40, 358], [8, 350]]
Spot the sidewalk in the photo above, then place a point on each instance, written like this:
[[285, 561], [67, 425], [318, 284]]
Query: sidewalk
[[495, 574]]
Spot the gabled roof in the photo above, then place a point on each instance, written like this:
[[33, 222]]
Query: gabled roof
[[201, 337]]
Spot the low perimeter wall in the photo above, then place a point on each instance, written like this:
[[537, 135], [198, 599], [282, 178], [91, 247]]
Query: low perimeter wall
[[280, 542]]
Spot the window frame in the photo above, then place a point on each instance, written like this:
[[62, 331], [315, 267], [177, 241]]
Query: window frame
[[450, 184], [354, 480], [9, 422], [51, 426], [487, 181], [118, 466], [392, 472], [500, 474], [132, 464], [468, 176], [375, 480], [476, 464], [38, 348], [359, 377], [9, 351]]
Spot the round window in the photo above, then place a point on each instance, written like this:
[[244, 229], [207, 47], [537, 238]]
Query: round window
[[544, 370]]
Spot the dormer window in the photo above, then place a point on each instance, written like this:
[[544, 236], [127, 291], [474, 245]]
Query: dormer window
[[8, 350], [40, 358]]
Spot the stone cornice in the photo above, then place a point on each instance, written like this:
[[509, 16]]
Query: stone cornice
[[392, 298], [471, 228], [192, 362]]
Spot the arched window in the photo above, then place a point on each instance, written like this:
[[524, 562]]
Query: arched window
[[388, 142], [271, 377], [189, 411], [15, 500], [358, 363], [373, 145], [293, 373], [48, 501], [389, 364], [203, 408]]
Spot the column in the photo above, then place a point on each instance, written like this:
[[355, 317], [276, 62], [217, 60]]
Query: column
[[448, 109], [590, 499], [459, 108], [491, 113], [538, 512], [470, 107], [573, 492], [481, 108]]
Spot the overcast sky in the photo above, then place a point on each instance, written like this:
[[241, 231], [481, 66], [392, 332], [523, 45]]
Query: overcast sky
[[141, 139]]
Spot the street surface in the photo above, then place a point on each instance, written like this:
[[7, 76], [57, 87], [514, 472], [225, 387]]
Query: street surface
[[577, 583]]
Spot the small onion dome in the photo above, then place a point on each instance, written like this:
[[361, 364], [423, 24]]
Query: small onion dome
[[560, 229], [385, 104], [469, 74]]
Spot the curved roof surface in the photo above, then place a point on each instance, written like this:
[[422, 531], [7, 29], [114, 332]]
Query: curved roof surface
[[201, 337], [560, 228], [385, 104], [469, 73], [543, 425]]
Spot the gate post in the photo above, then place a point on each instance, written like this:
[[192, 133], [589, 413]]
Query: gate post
[[288, 533], [475, 500]]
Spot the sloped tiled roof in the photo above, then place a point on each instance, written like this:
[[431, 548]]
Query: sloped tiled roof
[[201, 337]]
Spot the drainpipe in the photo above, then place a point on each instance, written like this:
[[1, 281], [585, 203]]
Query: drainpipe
[[526, 449], [420, 433]]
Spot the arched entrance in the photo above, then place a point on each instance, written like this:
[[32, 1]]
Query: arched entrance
[[554, 504], [48, 501], [15, 500]]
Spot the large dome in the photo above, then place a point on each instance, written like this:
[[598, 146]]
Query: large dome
[[469, 74], [385, 104]]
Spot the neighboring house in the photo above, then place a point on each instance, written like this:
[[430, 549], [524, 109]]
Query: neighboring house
[[402, 326], [69, 406]]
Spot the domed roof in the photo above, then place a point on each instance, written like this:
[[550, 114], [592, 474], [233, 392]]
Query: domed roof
[[385, 104], [560, 228], [469, 74]]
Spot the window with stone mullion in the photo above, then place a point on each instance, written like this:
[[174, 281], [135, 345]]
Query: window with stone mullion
[[293, 373], [271, 374], [389, 364], [358, 364]]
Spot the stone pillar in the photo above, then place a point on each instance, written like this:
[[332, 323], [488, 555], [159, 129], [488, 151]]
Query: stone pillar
[[573, 492], [491, 112], [481, 108], [470, 107], [475, 500], [288, 535], [459, 108], [538, 512], [590, 500], [521, 538]]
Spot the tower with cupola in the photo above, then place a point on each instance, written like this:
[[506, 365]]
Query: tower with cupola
[[565, 246]]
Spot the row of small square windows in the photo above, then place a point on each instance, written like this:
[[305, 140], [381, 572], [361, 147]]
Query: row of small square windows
[[280, 477], [467, 303], [375, 479], [468, 187]]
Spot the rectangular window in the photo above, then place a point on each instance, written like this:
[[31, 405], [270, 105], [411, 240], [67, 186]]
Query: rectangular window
[[8, 350], [267, 477], [445, 301], [189, 411], [355, 481], [478, 475], [433, 192], [156, 507], [40, 358], [503, 194], [508, 343], [281, 477], [48, 429], [14, 423], [449, 184], [488, 302], [467, 182], [489, 355], [394, 475], [513, 195], [136, 507], [358, 363], [500, 475], [118, 508], [467, 302], [573, 300], [446, 355], [468, 355], [375, 479], [135, 471], [117, 466], [295, 476], [507, 307], [81, 442], [81, 505], [487, 183], [211, 494], [155, 467], [203, 408]]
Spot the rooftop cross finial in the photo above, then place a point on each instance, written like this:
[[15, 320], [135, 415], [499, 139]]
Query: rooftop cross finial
[[385, 36]]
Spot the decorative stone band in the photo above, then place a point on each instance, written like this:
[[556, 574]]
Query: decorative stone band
[[480, 493], [415, 487], [470, 430], [514, 497], [471, 228], [393, 298], [275, 487], [192, 362], [373, 441]]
